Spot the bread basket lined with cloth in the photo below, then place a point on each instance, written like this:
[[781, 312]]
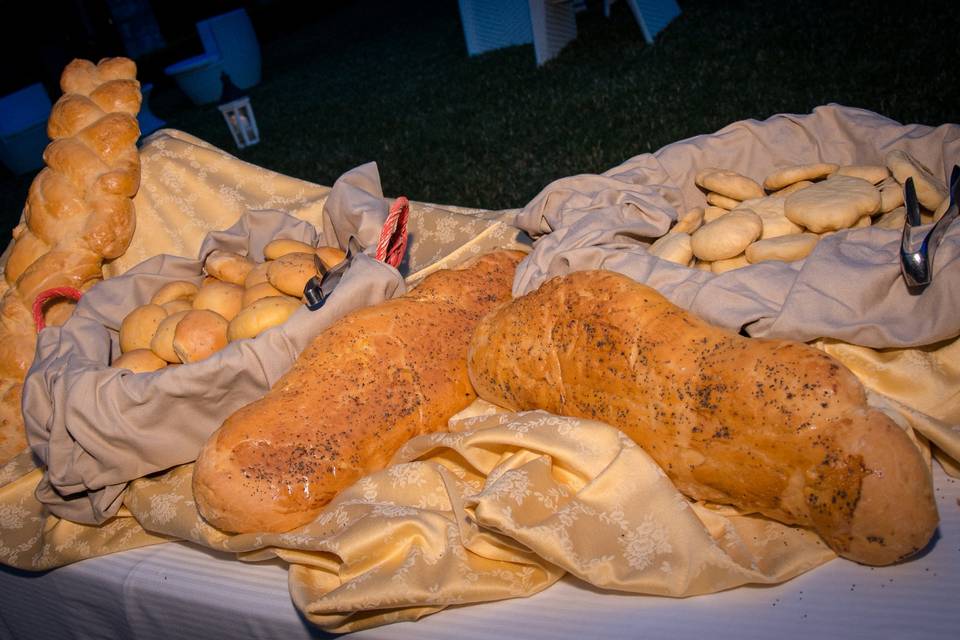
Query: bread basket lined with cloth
[[847, 297], [96, 427], [849, 288]]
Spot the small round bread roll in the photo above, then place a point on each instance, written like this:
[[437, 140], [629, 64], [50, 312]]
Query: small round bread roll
[[786, 176], [673, 247], [891, 195], [711, 213], [930, 189], [290, 273], [257, 275], [726, 237], [139, 327], [784, 248], [872, 173], [776, 226], [280, 247], [140, 361], [331, 256], [688, 222], [162, 343], [223, 297], [261, 315], [765, 204], [722, 201], [770, 210], [228, 266], [199, 334], [177, 290], [722, 266], [177, 305], [796, 186], [729, 183], [262, 290]]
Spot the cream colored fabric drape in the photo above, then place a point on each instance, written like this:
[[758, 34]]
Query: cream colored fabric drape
[[189, 188], [95, 427], [499, 507], [849, 288]]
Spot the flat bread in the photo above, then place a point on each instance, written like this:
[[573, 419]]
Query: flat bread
[[783, 248], [872, 173], [727, 236], [930, 190], [788, 175], [729, 183], [833, 204]]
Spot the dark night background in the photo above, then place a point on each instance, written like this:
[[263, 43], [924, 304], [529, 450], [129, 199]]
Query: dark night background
[[350, 81], [61, 30]]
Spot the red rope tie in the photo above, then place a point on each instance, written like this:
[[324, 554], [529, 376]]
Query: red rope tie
[[49, 294], [393, 237]]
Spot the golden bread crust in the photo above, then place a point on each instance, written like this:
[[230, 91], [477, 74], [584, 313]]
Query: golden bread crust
[[771, 426], [373, 380], [79, 209]]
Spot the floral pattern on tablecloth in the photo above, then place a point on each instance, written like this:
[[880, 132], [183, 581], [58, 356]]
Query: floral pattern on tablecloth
[[502, 506], [189, 188]]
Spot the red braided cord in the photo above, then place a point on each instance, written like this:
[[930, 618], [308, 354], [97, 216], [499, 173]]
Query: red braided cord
[[393, 237], [40, 300]]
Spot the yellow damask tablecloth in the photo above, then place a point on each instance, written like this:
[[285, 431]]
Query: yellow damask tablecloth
[[189, 188], [500, 506]]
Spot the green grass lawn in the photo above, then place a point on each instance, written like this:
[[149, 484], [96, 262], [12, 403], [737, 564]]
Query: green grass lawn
[[391, 82]]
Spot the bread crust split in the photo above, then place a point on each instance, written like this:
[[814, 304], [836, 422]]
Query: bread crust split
[[769, 426], [362, 388]]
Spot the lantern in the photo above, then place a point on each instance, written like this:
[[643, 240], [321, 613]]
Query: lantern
[[238, 112]]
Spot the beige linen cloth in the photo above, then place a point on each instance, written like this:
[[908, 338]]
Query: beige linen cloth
[[500, 506], [96, 427], [849, 288]]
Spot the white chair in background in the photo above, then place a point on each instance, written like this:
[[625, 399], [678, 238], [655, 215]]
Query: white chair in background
[[554, 26], [549, 24], [651, 15], [494, 24], [229, 44]]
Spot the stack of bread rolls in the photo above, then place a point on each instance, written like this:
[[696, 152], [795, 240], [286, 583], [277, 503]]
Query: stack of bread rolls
[[746, 222], [239, 298]]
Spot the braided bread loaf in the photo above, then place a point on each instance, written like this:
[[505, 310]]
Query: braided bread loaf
[[79, 209]]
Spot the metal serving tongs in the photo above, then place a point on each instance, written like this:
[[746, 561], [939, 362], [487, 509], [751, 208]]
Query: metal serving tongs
[[319, 287], [916, 257]]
